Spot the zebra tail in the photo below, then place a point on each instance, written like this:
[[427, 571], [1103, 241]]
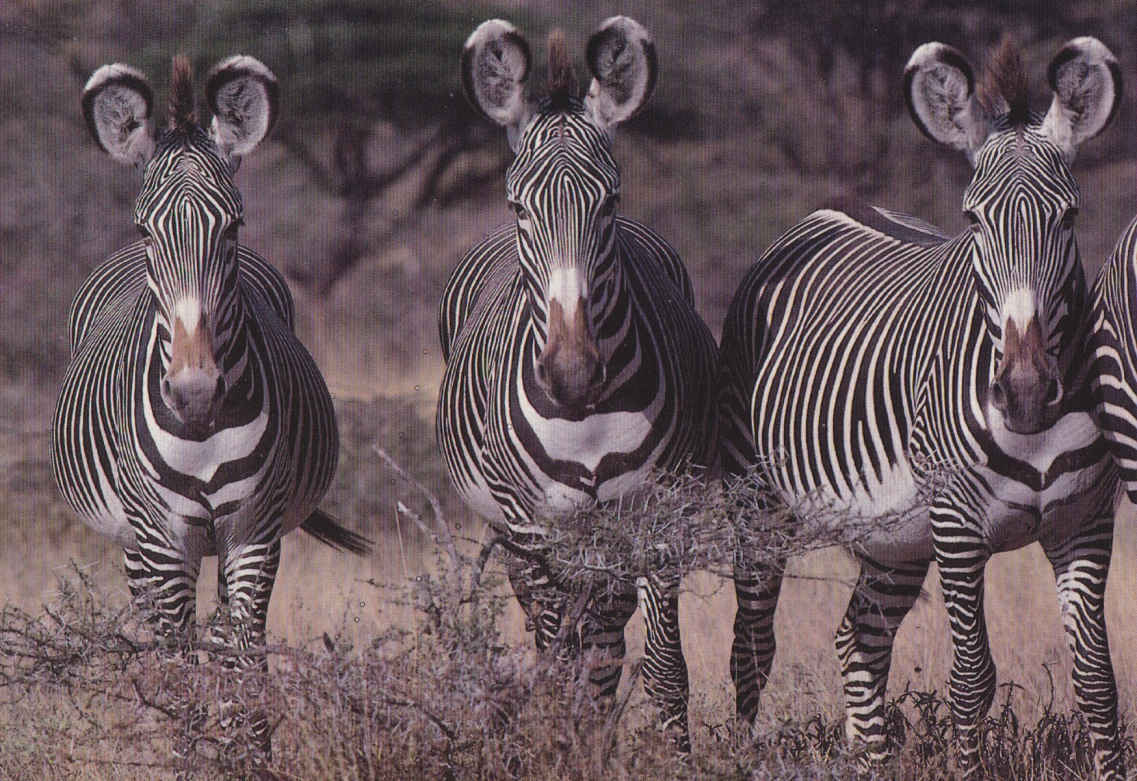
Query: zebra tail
[[325, 529]]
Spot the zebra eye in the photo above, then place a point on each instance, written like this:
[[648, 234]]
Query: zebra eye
[[1068, 219], [520, 211], [972, 222], [145, 234]]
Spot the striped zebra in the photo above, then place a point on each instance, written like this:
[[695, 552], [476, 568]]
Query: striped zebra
[[575, 361], [1115, 355], [191, 421], [873, 366]]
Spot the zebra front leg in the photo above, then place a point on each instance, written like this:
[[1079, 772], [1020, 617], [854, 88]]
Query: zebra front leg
[[249, 575], [881, 599], [962, 557], [163, 585], [544, 602], [756, 591], [1081, 566], [602, 640], [664, 668]]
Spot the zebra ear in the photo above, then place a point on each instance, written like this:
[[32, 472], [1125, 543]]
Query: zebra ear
[[621, 56], [1086, 80], [939, 87], [244, 98], [495, 66], [117, 104]]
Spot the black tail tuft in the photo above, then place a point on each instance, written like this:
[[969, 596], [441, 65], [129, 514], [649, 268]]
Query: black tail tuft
[[325, 529]]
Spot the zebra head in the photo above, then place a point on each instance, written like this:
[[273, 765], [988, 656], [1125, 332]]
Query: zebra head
[[188, 212], [564, 185], [1021, 203]]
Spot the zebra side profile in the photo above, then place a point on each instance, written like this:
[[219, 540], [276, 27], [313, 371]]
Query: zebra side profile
[[191, 421], [576, 364], [874, 367]]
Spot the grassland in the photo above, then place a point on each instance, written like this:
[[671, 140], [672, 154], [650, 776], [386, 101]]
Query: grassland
[[747, 135]]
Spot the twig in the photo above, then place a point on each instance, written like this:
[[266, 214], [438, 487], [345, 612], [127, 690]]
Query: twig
[[435, 505]]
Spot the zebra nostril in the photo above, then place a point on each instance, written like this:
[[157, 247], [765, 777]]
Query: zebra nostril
[[999, 396], [542, 373], [1053, 392], [219, 390]]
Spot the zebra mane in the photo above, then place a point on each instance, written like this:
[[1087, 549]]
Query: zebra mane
[[181, 104], [1003, 88], [562, 83]]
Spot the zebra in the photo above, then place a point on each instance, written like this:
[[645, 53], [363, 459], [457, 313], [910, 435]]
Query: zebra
[[872, 365], [191, 421], [576, 363]]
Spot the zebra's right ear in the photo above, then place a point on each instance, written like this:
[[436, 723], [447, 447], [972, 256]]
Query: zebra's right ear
[[495, 66], [117, 104], [244, 97], [939, 87]]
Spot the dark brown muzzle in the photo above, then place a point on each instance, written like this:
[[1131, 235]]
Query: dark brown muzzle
[[194, 386], [570, 368], [1027, 389]]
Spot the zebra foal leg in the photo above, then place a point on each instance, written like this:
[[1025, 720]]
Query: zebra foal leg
[[664, 668], [880, 601], [1081, 566]]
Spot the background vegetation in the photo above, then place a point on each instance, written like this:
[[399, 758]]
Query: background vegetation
[[376, 179]]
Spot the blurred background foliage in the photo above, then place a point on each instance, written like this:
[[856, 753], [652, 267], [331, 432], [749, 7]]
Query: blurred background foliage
[[379, 175]]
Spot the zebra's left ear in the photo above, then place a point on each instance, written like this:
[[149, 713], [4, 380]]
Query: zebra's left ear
[[244, 97], [621, 56], [1086, 80]]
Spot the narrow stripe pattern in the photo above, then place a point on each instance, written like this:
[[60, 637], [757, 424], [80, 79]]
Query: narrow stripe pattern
[[519, 456], [858, 361], [169, 492]]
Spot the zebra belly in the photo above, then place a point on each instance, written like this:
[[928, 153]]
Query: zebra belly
[[885, 519]]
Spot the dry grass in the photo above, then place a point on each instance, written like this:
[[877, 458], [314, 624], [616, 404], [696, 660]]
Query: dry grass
[[397, 667]]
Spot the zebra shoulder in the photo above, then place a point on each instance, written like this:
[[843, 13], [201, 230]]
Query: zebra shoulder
[[108, 293], [647, 248], [483, 268], [266, 287]]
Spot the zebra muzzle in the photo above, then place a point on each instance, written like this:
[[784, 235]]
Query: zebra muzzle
[[570, 369], [1027, 388], [194, 386]]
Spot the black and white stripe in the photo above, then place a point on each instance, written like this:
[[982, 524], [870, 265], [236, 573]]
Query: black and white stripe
[[570, 276], [873, 367], [171, 483]]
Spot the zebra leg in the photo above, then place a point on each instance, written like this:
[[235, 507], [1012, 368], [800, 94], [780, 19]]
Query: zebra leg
[[602, 641], [249, 574], [1081, 566], [752, 654], [962, 557], [544, 602], [880, 601], [163, 584], [664, 668]]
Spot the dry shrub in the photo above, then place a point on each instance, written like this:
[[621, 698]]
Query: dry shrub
[[87, 691]]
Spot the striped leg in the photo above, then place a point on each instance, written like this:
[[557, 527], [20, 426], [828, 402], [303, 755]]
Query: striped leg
[[880, 600], [249, 574], [752, 654], [602, 641], [962, 557], [544, 602], [665, 669], [1081, 566], [163, 584]]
